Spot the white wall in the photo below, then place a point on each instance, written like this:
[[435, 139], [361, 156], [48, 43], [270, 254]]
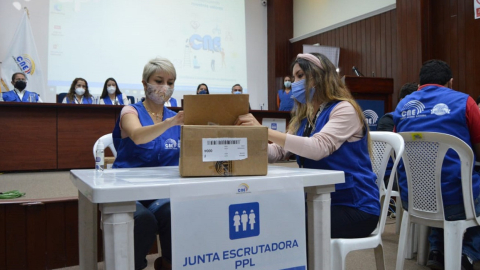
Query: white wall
[[9, 20], [310, 16], [256, 26], [256, 42]]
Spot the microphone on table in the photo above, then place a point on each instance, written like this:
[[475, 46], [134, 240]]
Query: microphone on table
[[359, 74]]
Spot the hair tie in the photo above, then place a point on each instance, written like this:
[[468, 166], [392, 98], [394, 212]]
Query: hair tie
[[311, 58]]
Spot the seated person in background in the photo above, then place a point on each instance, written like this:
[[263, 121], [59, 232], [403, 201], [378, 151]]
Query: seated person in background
[[237, 89], [202, 89], [111, 94], [78, 93], [147, 134], [455, 113], [19, 94], [328, 131], [284, 96], [172, 102], [385, 123]]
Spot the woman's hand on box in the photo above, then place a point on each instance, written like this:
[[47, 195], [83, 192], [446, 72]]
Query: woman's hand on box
[[177, 119], [247, 120]]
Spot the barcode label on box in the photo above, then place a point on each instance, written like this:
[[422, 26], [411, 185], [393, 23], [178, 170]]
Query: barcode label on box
[[220, 149]]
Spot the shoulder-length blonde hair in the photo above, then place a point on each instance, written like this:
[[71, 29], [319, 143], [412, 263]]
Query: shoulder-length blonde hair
[[328, 87]]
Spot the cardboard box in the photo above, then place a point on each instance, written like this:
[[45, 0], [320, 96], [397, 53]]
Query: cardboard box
[[223, 150], [214, 109]]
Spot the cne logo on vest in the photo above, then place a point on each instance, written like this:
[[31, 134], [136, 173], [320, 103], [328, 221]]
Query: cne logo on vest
[[440, 109], [25, 63], [170, 144], [412, 109], [371, 117]]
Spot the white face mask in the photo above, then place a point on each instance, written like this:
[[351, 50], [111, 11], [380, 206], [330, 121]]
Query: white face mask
[[79, 91], [111, 89], [158, 93]]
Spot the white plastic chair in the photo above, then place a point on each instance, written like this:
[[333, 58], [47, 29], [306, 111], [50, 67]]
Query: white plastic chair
[[423, 158], [384, 143], [107, 141]]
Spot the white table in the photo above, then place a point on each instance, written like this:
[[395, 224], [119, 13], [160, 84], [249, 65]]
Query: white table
[[117, 190]]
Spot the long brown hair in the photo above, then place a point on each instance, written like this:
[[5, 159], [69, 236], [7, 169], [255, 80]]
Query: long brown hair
[[328, 87], [71, 92]]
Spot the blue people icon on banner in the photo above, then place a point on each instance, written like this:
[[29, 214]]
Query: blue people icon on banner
[[244, 220], [274, 126]]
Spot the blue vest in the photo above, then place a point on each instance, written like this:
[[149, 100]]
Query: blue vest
[[359, 190], [286, 100], [108, 101], [11, 96], [173, 102], [85, 100], [437, 109], [162, 151]]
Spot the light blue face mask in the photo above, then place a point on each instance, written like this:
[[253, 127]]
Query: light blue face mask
[[287, 84], [298, 91], [237, 92]]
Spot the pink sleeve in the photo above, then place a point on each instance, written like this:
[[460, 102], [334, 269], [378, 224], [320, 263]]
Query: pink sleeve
[[126, 110], [276, 153], [343, 125]]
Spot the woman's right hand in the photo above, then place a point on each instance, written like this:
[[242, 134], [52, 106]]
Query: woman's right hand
[[177, 119]]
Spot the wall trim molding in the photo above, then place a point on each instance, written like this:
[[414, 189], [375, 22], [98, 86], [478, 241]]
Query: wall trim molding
[[349, 21]]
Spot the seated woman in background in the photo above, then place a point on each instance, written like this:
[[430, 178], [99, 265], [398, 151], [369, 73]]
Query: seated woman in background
[[111, 94], [147, 134], [328, 131], [284, 95], [78, 93], [202, 89], [171, 102]]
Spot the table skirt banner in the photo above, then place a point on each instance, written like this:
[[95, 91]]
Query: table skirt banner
[[239, 224]]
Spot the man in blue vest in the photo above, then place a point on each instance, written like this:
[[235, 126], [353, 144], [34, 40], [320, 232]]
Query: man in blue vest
[[435, 107], [19, 94]]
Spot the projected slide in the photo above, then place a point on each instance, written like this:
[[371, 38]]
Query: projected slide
[[97, 39]]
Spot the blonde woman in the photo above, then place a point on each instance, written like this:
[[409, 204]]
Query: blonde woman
[[147, 134], [328, 131]]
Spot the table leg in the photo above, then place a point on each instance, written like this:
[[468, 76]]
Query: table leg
[[117, 220], [87, 233], [318, 204]]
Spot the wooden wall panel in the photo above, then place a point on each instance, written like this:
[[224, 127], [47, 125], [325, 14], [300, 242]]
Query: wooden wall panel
[[71, 232], [455, 40], [37, 239], [16, 238], [409, 41], [369, 44], [3, 248], [35, 128], [279, 31], [83, 124], [55, 233]]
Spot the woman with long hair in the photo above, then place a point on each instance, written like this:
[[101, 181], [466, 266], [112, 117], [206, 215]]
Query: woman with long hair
[[328, 131], [202, 89], [111, 94], [78, 93]]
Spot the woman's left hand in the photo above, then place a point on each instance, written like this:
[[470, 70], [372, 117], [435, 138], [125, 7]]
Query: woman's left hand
[[247, 120]]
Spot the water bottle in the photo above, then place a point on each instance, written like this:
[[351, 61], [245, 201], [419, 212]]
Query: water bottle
[[100, 156]]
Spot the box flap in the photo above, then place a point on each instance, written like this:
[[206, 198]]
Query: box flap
[[214, 109]]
